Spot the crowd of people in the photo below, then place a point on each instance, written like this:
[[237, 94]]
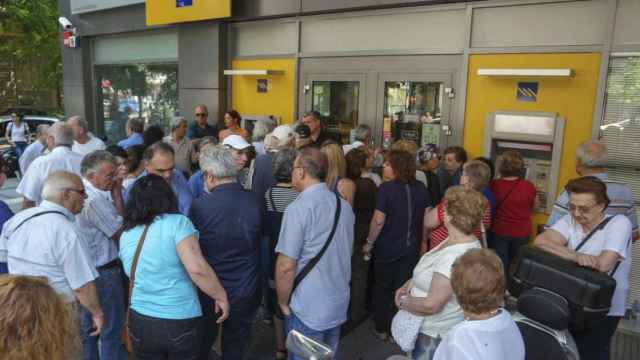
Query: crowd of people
[[177, 239]]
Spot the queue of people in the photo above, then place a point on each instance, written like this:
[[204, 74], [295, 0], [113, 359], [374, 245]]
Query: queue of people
[[180, 238]]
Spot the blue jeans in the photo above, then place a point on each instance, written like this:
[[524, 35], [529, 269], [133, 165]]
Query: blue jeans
[[507, 249], [330, 337], [20, 148], [109, 343], [164, 339]]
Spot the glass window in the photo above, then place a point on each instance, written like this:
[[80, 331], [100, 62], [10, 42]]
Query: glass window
[[337, 102], [414, 110], [145, 91]]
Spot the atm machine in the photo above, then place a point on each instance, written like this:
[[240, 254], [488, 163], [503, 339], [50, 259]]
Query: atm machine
[[538, 136]]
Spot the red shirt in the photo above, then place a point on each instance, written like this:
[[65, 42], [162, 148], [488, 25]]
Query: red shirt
[[441, 233], [514, 204]]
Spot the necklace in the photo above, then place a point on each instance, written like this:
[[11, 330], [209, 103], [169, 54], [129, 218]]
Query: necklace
[[483, 316]]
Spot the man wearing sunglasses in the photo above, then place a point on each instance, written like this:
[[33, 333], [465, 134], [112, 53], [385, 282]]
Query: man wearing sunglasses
[[200, 127]]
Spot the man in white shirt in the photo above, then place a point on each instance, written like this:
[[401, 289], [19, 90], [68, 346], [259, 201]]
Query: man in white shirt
[[84, 142], [60, 158], [44, 241], [100, 224], [35, 149]]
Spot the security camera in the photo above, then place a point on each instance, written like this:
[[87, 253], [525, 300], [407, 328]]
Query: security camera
[[65, 23]]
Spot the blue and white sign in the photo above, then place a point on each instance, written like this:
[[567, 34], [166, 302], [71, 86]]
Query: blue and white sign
[[527, 91], [183, 3]]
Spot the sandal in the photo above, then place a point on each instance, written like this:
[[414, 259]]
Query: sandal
[[281, 355]]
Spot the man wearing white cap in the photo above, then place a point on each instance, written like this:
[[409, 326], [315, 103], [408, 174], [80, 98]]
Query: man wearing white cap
[[281, 138], [238, 146]]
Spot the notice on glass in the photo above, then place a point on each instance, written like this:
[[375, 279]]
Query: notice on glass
[[430, 134]]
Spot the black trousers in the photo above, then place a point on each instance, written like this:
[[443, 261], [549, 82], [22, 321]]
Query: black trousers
[[236, 330], [595, 343], [164, 339], [389, 277]]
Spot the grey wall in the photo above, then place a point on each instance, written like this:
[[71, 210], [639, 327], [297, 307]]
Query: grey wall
[[200, 68]]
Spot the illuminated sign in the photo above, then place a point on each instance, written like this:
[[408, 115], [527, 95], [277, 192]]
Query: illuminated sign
[[161, 12], [85, 6]]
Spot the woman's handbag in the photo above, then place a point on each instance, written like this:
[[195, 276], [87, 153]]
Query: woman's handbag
[[405, 329], [126, 340]]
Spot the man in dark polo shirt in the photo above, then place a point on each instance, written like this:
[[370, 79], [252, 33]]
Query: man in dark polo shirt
[[229, 220], [200, 127], [318, 133]]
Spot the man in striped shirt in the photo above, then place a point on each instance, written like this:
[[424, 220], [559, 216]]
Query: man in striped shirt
[[591, 160]]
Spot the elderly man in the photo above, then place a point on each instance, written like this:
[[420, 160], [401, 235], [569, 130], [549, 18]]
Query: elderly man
[[240, 152], [135, 127], [318, 133], [84, 141], [229, 220], [200, 127], [592, 160], [159, 160], [60, 158], [362, 138], [196, 181], [44, 241], [317, 223], [100, 222], [35, 149], [182, 147], [281, 138]]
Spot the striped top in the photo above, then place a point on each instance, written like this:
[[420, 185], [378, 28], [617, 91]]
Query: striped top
[[282, 196], [622, 203], [440, 233]]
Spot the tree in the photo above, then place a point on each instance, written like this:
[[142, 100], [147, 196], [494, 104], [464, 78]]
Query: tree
[[29, 45]]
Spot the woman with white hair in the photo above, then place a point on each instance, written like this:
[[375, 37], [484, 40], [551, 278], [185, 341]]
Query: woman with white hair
[[183, 148], [260, 131]]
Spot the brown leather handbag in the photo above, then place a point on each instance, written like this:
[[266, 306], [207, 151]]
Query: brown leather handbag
[[126, 340]]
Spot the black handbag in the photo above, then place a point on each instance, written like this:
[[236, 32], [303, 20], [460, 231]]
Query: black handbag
[[587, 291]]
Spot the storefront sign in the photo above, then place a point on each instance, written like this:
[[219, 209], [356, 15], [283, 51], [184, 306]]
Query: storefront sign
[[527, 91], [85, 6], [161, 12]]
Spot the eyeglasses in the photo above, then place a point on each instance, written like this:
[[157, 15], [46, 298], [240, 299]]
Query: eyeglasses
[[581, 209], [201, 114], [81, 192]]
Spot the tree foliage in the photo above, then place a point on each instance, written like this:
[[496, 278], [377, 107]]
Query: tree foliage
[[29, 42]]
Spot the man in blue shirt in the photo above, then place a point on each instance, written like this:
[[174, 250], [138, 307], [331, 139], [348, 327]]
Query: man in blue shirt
[[229, 220], [159, 160], [319, 304], [135, 127], [201, 128]]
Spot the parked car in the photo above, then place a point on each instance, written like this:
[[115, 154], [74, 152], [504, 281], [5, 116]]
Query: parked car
[[6, 151]]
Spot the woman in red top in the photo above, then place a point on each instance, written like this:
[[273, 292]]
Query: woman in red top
[[515, 198], [475, 175]]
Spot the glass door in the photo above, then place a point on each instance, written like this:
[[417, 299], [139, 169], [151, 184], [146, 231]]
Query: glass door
[[413, 107], [339, 99]]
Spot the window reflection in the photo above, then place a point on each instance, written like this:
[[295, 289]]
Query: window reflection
[[337, 102], [145, 91]]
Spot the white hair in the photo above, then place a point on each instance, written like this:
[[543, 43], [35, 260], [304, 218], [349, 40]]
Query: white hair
[[218, 162], [362, 132], [592, 154], [262, 128], [57, 182], [82, 123], [176, 121], [61, 133]]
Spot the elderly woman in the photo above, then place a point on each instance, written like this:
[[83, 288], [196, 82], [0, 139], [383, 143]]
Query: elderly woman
[[395, 232], [276, 200], [165, 318], [475, 175], [429, 292], [488, 332], [36, 322], [515, 198], [607, 250], [185, 155], [337, 170], [260, 131]]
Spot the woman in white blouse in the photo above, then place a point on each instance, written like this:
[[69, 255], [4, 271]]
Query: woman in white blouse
[[429, 293], [607, 250]]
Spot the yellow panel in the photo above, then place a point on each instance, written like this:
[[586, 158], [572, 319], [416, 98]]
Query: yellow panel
[[279, 98], [161, 12], [573, 98]]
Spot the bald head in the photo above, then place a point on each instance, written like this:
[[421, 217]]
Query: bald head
[[591, 157], [61, 134]]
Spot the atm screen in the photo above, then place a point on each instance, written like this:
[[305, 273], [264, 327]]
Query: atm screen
[[537, 166]]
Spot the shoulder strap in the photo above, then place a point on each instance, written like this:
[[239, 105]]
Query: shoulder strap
[[599, 227], [39, 214], [311, 264], [134, 266], [273, 203], [409, 213], [507, 196]]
